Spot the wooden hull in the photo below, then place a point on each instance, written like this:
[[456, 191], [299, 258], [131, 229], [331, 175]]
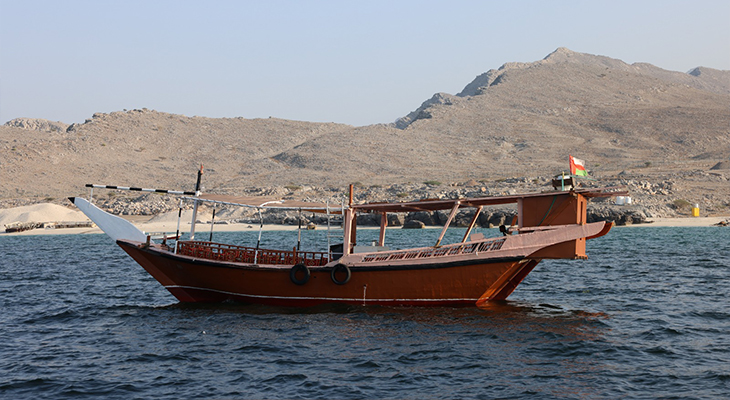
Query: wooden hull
[[473, 271], [458, 274], [445, 283]]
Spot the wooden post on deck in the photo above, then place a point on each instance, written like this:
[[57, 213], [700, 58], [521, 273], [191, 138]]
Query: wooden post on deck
[[448, 222], [353, 222], [472, 223], [346, 232], [383, 225]]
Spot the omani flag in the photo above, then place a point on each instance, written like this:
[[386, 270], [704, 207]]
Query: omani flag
[[577, 167]]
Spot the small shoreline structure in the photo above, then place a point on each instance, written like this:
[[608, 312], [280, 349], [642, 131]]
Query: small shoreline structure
[[22, 226], [27, 226], [44, 217], [474, 270]]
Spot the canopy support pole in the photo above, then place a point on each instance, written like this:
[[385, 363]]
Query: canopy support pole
[[299, 231], [347, 231], [192, 222], [258, 242], [329, 249], [212, 223], [448, 222], [383, 225], [353, 222], [472, 223], [179, 216]]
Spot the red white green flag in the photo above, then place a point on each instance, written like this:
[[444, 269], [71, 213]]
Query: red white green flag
[[577, 167]]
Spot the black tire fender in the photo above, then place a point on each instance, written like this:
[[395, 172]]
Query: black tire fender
[[338, 269], [297, 269]]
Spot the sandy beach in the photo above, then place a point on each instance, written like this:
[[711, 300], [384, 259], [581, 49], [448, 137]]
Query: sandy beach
[[682, 222]]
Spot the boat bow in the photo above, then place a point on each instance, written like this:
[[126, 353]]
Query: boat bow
[[115, 227]]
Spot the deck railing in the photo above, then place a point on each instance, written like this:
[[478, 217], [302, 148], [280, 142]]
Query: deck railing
[[249, 255], [447, 250]]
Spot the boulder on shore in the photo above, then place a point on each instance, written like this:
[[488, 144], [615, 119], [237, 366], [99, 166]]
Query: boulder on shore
[[414, 224]]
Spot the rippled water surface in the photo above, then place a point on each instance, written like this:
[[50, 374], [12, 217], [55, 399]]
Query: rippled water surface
[[647, 316]]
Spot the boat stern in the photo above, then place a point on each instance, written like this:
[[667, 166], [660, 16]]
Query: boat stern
[[562, 209]]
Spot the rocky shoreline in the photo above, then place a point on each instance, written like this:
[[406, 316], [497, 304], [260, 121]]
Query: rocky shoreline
[[663, 196]]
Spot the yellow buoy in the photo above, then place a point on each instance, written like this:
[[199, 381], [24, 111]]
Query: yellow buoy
[[696, 210]]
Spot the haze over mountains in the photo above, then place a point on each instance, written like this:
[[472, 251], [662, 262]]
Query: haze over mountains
[[521, 120]]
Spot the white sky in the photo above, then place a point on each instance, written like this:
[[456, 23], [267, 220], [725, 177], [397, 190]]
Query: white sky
[[354, 62]]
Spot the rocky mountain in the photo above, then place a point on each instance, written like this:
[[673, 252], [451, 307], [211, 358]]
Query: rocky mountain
[[524, 119], [521, 120], [35, 124]]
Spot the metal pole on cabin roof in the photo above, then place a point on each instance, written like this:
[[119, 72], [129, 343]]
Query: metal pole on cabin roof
[[200, 176]]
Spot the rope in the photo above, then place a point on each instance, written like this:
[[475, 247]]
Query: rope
[[548, 211]]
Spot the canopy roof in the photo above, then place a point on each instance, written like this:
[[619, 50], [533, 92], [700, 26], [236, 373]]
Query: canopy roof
[[421, 205], [268, 202], [446, 204]]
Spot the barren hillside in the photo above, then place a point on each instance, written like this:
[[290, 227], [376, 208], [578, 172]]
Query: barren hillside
[[146, 148], [521, 120], [524, 120]]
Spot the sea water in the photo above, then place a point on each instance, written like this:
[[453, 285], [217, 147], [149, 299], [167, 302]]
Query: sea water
[[646, 316]]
